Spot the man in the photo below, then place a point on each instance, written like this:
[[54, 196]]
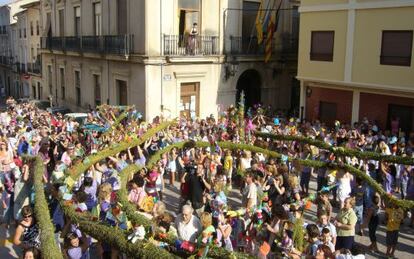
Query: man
[[188, 226], [249, 192], [197, 184]]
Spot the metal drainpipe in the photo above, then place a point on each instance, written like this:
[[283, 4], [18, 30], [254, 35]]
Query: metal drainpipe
[[107, 61], [162, 63]]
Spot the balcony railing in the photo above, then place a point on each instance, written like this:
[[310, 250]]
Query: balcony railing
[[246, 46], [112, 44], [284, 45], [5, 60], [35, 68], [183, 45]]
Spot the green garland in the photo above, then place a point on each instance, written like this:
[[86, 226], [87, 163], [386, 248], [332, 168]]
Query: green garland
[[298, 235], [47, 237], [130, 210], [340, 151], [122, 195], [116, 123], [116, 237], [305, 162], [80, 168]]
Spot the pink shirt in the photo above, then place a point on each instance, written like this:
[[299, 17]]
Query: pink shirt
[[136, 195]]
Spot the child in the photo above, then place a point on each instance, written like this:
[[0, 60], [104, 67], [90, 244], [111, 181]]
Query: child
[[324, 204], [358, 193], [75, 248], [327, 239], [79, 200], [394, 216], [223, 233], [313, 239], [228, 167], [207, 234]]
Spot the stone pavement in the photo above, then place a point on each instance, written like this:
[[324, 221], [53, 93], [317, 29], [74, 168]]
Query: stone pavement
[[405, 247]]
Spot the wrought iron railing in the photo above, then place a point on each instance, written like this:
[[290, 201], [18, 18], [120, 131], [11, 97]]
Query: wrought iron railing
[[110, 44], [281, 44], [187, 45], [5, 60], [35, 68]]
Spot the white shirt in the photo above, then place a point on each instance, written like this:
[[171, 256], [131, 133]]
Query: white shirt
[[189, 231]]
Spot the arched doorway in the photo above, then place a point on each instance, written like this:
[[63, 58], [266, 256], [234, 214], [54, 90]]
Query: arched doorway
[[250, 83]]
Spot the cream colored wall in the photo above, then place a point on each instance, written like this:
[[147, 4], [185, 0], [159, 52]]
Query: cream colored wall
[[108, 71], [336, 21], [367, 46], [206, 74]]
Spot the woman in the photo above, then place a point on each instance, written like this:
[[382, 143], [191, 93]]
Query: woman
[[27, 232], [345, 225], [344, 187], [31, 253], [76, 248]]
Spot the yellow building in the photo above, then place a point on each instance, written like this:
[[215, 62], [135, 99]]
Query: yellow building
[[355, 61]]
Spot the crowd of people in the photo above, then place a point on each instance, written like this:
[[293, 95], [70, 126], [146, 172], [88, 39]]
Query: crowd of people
[[275, 193]]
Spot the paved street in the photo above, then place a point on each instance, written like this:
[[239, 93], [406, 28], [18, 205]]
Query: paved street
[[405, 248]]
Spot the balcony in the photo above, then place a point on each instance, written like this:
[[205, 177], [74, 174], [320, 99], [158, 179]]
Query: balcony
[[5, 60], [117, 44], [184, 45], [284, 45], [247, 46], [35, 68]]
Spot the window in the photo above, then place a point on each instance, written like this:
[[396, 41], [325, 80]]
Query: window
[[77, 12], [77, 87], [97, 14], [37, 28], [249, 31], [49, 79], [24, 30], [189, 14], [39, 91], [62, 83], [33, 54], [122, 16], [20, 33], [31, 28], [4, 29], [396, 48], [34, 91], [322, 45], [61, 22], [97, 83]]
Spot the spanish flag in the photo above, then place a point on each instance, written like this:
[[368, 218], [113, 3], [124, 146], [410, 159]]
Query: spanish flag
[[259, 23], [271, 28]]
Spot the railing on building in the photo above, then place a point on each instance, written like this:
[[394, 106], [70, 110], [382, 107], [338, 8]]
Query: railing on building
[[112, 44], [247, 46], [284, 45], [5, 60], [35, 68], [187, 45]]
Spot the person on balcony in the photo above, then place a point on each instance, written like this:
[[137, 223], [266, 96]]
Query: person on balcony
[[192, 40]]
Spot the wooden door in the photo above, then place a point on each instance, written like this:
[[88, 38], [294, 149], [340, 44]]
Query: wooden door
[[122, 92], [190, 100]]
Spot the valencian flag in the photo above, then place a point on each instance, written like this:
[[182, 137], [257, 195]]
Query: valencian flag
[[259, 23], [271, 28]]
